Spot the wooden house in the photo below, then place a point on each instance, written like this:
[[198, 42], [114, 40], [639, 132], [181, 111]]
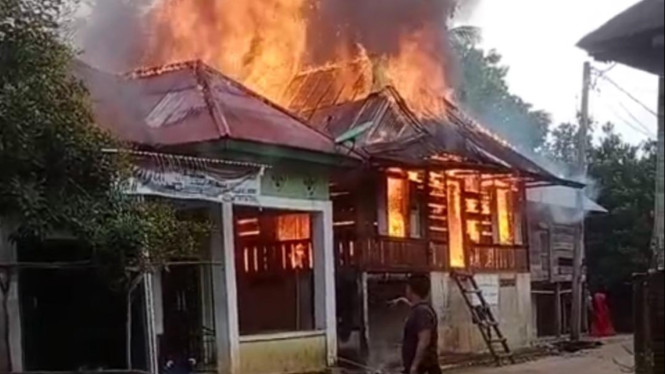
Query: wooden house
[[438, 192], [554, 229]]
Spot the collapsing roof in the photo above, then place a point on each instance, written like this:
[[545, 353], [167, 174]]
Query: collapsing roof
[[192, 103], [381, 126], [634, 37]]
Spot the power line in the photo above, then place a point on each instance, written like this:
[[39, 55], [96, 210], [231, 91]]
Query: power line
[[637, 120], [631, 96], [631, 125]]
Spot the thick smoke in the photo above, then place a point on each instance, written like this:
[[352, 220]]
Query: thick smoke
[[111, 35], [379, 27]]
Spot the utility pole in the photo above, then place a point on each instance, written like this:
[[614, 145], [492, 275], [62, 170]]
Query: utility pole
[[659, 225], [578, 260]]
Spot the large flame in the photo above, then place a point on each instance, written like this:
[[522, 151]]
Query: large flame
[[417, 74], [265, 43], [456, 224], [261, 43]]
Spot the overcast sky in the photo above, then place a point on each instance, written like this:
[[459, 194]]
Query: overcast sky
[[537, 39]]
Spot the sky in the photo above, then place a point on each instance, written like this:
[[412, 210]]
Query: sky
[[537, 39]]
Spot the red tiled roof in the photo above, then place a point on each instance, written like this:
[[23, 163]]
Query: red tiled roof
[[192, 103]]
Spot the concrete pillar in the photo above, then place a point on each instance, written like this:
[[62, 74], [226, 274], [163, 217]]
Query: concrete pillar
[[324, 279], [222, 248], [151, 323], [8, 256], [440, 302]]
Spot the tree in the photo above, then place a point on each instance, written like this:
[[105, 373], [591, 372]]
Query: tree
[[484, 91], [54, 173], [618, 243], [562, 145]]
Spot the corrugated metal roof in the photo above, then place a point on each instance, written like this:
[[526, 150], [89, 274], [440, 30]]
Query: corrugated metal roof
[[634, 37], [563, 197], [645, 16], [192, 103], [397, 133]]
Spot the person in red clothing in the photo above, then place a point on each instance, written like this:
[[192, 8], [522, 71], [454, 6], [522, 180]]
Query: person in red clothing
[[602, 318]]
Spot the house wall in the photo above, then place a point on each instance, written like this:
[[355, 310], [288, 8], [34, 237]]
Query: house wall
[[283, 355], [458, 334], [296, 183]]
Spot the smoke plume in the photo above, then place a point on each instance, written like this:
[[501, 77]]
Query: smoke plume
[[110, 34]]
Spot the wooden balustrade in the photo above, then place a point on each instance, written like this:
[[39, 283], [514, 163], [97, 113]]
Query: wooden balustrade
[[498, 258], [379, 254], [389, 254], [411, 255]]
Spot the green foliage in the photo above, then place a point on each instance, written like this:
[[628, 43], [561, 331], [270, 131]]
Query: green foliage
[[52, 167], [484, 91], [54, 173], [562, 145], [618, 243], [138, 237]]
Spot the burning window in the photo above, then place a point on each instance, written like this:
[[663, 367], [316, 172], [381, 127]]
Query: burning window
[[293, 227], [505, 215], [398, 206], [404, 203], [455, 224], [275, 261]]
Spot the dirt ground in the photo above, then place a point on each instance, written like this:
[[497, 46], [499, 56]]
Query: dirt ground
[[613, 357]]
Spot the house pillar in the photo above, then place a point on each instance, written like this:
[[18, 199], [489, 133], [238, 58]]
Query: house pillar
[[225, 292], [324, 278], [9, 275], [151, 323]]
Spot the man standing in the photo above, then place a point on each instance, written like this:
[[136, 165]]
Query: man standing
[[421, 335]]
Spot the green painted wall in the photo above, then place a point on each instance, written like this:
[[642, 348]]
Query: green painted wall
[[283, 356], [297, 184]]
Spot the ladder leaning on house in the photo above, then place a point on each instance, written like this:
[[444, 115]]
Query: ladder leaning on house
[[483, 317]]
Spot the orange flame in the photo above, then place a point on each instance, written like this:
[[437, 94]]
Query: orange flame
[[457, 258], [418, 75], [265, 44], [397, 207], [505, 216], [261, 43]]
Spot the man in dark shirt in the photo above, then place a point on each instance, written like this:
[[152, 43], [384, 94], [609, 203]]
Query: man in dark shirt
[[421, 335]]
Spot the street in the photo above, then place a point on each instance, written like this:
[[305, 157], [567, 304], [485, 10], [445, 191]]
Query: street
[[598, 361]]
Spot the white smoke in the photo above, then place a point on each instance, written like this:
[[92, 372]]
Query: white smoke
[[108, 33]]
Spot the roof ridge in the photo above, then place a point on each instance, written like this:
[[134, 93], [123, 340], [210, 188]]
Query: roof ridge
[[216, 111], [264, 100]]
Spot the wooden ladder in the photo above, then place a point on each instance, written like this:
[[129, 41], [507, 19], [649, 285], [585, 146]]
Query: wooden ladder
[[483, 317]]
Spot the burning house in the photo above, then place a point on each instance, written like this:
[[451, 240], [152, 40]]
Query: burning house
[[333, 163], [439, 194]]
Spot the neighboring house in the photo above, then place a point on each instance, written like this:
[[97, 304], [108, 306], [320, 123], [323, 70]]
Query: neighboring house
[[554, 228], [437, 193], [260, 299], [636, 38]]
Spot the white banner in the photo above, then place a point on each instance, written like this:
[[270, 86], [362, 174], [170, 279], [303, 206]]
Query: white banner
[[208, 185]]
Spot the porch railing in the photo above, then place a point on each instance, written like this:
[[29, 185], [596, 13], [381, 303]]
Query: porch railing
[[386, 254], [499, 258]]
